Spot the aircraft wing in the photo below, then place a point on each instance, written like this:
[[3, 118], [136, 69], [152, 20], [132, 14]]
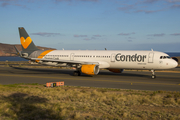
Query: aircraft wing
[[65, 61]]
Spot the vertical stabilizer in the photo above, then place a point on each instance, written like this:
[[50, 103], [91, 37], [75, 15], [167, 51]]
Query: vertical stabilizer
[[26, 42]]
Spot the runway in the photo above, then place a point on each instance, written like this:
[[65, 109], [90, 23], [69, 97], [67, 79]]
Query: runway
[[136, 80]]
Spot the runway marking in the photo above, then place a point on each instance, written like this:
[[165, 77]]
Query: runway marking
[[131, 83]]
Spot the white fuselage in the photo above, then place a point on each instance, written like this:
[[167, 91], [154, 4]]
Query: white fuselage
[[151, 60]]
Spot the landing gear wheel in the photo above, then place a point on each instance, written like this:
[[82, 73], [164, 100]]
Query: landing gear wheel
[[79, 73], [76, 73], [153, 76]]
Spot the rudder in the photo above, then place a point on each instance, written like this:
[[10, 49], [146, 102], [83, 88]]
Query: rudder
[[26, 42]]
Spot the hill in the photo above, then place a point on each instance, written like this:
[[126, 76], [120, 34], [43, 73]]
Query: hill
[[9, 50]]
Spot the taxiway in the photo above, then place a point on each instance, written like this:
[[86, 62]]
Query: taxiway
[[138, 80]]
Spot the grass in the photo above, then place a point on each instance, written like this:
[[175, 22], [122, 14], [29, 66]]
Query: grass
[[34, 101]]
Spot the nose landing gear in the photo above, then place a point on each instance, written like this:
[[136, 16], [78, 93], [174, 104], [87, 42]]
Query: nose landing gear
[[153, 74]]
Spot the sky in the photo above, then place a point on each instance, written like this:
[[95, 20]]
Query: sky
[[93, 24]]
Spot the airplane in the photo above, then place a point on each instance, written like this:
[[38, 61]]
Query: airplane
[[91, 61]]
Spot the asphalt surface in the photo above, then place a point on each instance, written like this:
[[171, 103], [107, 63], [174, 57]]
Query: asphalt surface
[[138, 80]]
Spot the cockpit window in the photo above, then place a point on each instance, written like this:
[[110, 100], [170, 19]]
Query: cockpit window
[[165, 57]]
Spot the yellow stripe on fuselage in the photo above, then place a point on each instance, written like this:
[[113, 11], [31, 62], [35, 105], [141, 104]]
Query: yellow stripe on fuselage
[[25, 42], [43, 54]]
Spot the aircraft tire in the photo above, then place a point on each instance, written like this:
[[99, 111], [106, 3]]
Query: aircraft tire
[[79, 73], [76, 73], [153, 76]]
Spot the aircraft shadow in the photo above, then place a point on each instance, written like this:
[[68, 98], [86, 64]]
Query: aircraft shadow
[[43, 71], [70, 72], [125, 74]]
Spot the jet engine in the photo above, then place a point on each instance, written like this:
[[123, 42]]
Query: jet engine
[[90, 69], [116, 70]]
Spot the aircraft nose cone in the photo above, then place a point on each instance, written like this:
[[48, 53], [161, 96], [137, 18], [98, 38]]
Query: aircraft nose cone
[[174, 64]]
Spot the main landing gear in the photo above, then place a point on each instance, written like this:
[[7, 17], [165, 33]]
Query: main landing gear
[[78, 70], [153, 74]]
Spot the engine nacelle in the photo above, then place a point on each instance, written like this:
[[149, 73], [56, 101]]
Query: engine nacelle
[[116, 70], [90, 69]]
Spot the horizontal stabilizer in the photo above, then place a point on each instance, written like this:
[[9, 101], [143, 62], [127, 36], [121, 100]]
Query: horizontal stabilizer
[[18, 52]]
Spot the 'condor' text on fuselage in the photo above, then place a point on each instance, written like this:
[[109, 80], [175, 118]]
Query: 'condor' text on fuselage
[[130, 58]]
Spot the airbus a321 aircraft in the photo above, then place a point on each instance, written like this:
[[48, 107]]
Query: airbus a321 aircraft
[[91, 61]]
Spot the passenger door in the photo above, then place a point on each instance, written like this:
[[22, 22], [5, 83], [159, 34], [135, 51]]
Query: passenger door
[[150, 57], [113, 57], [72, 56]]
